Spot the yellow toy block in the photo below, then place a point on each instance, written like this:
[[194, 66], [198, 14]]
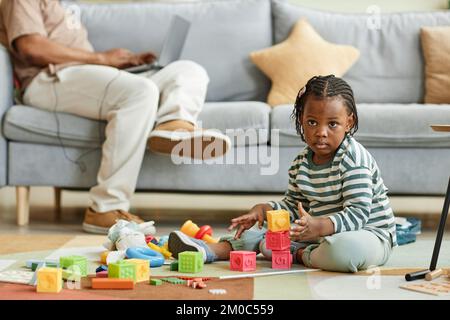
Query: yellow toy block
[[49, 280], [162, 250], [278, 220], [142, 269]]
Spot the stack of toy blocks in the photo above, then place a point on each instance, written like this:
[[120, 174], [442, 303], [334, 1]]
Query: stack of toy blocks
[[243, 260], [190, 262], [277, 238]]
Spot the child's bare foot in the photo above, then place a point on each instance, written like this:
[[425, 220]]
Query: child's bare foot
[[299, 255], [221, 249]]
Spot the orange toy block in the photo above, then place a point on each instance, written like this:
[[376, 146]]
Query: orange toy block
[[112, 283], [142, 269], [278, 220], [49, 280]]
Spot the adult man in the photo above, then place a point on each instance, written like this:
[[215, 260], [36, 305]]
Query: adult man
[[60, 72]]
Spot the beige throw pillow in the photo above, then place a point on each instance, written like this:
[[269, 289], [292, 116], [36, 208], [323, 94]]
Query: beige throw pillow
[[436, 51], [304, 54]]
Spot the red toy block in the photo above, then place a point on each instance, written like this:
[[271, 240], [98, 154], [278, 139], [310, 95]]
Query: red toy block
[[102, 274], [278, 240], [281, 259], [243, 260]]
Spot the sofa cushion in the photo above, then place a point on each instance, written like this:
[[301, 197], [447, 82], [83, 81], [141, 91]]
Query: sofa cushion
[[436, 51], [381, 125], [291, 63], [222, 34], [390, 68], [29, 124]]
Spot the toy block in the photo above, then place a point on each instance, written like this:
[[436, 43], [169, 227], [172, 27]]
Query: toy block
[[173, 280], [111, 283], [142, 269], [242, 260], [49, 280], [278, 220], [79, 261], [190, 262], [174, 266], [102, 274], [278, 240], [281, 259], [122, 270], [155, 282]]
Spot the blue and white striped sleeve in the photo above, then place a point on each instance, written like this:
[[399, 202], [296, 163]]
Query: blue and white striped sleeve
[[357, 194], [292, 195]]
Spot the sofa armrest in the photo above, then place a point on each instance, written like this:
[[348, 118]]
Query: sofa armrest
[[6, 101]]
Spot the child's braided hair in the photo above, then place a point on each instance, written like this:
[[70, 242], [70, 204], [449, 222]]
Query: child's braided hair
[[324, 87]]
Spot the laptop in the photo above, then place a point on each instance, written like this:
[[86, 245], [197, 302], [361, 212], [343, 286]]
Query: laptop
[[172, 47]]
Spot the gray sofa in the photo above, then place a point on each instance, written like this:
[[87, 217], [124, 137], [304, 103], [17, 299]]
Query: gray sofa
[[388, 81]]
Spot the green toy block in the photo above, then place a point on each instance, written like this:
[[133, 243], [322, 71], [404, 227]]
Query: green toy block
[[123, 270], [155, 282], [190, 262], [174, 266], [173, 280], [72, 261]]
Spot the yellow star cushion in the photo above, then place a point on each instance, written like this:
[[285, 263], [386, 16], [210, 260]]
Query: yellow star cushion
[[304, 54]]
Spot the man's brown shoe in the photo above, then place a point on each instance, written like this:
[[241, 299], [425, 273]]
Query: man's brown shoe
[[100, 222], [181, 139]]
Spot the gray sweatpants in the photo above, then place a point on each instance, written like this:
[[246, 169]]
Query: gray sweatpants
[[342, 252]]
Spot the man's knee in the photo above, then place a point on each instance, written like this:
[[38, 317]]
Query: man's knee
[[192, 69], [145, 88]]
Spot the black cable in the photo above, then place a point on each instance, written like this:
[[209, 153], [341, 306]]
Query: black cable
[[81, 165]]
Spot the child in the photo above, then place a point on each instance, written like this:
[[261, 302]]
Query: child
[[340, 213]]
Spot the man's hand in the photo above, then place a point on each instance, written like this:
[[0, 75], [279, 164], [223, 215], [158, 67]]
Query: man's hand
[[246, 221], [123, 58], [307, 228]]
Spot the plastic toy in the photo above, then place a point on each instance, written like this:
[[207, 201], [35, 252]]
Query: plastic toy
[[190, 261], [243, 260], [49, 280], [278, 220], [70, 261], [110, 283], [142, 269], [192, 230], [278, 240], [281, 259], [102, 274], [122, 270], [162, 250], [155, 282], [155, 258]]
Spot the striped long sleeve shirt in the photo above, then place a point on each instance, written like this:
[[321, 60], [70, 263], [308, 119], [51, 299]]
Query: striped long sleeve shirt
[[349, 190]]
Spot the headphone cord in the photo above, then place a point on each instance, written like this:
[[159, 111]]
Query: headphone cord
[[81, 165]]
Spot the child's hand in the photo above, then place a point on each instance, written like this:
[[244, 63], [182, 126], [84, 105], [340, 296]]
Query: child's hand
[[307, 228], [246, 221]]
